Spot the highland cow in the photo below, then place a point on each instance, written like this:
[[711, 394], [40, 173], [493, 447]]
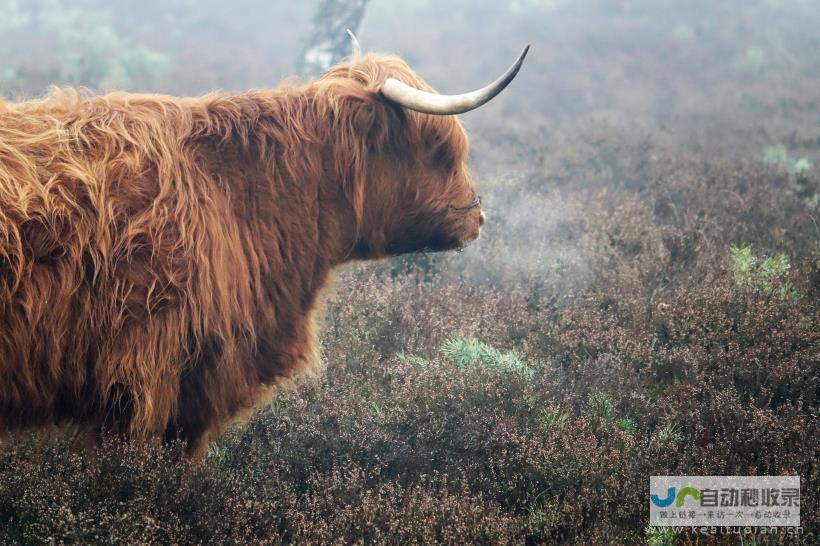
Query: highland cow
[[162, 259]]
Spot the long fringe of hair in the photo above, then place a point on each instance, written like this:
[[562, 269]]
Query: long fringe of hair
[[126, 259]]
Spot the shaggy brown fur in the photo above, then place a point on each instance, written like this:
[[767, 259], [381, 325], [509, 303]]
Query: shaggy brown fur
[[162, 259]]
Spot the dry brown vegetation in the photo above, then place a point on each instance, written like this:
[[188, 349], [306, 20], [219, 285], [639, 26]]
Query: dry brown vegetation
[[600, 332]]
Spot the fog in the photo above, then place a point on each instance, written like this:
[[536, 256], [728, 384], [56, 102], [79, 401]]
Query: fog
[[674, 62], [727, 78]]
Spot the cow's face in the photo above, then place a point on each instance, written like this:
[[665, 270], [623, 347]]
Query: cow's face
[[401, 155], [441, 209], [419, 195]]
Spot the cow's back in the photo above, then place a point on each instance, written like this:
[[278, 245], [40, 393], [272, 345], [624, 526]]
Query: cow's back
[[119, 259]]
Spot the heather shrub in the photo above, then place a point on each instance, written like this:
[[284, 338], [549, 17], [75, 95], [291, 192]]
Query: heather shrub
[[659, 536], [779, 156], [464, 352], [453, 409], [766, 275]]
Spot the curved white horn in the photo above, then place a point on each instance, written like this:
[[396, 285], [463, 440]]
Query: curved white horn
[[432, 103], [354, 44]]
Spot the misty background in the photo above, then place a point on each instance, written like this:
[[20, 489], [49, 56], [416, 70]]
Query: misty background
[[676, 63], [732, 78]]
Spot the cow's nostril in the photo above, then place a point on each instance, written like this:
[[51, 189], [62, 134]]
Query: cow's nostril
[[481, 219]]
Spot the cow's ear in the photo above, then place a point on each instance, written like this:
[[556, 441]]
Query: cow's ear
[[359, 129], [361, 114], [376, 120]]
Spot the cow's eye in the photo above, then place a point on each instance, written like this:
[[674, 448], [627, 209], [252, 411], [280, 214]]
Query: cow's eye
[[476, 202]]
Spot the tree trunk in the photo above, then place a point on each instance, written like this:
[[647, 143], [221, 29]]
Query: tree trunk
[[328, 42]]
